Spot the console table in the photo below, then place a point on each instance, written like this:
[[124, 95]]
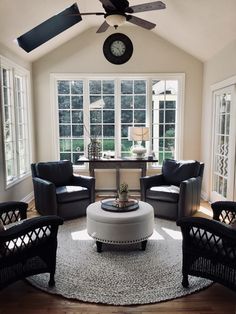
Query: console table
[[118, 164]]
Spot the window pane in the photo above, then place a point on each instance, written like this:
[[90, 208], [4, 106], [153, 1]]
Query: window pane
[[109, 130], [65, 145], [77, 130], [140, 102], [63, 102], [95, 87], [108, 145], [96, 131], [64, 130], [95, 116], [126, 116], [63, 87], [140, 87], [77, 102], [126, 87], [124, 130], [109, 116], [64, 116], [109, 102], [77, 116], [126, 102], [108, 87], [76, 87], [78, 145], [140, 116]]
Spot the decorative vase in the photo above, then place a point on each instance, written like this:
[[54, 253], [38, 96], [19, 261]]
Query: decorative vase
[[123, 197], [94, 149]]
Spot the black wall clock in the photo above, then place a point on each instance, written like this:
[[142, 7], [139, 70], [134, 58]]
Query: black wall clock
[[118, 48]]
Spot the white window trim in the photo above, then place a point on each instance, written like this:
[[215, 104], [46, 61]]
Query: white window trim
[[18, 70], [180, 77]]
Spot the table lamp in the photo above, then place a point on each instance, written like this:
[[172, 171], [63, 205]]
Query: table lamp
[[139, 134]]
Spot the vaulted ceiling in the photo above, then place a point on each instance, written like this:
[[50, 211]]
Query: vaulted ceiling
[[200, 27]]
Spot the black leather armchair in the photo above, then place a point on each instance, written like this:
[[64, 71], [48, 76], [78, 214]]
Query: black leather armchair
[[209, 246], [58, 192], [175, 192], [28, 247]]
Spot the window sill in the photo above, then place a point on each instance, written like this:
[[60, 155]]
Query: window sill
[[17, 181]]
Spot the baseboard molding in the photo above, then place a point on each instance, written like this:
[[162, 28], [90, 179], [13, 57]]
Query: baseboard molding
[[28, 198]]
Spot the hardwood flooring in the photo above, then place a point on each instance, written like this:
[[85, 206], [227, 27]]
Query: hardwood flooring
[[21, 297]]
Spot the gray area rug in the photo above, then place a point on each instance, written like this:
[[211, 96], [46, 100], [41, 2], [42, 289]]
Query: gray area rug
[[120, 275]]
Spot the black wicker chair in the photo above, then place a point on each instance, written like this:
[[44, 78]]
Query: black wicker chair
[[27, 247], [209, 246]]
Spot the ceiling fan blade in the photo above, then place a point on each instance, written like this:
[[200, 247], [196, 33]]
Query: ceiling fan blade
[[49, 28], [140, 22], [156, 5], [92, 13], [108, 5], [103, 27]]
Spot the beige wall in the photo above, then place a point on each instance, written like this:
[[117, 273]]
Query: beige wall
[[23, 189], [83, 54], [219, 68]]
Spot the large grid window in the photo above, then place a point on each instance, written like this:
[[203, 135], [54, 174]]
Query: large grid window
[[15, 122], [105, 108]]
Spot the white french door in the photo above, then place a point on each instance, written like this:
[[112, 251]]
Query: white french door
[[224, 137]]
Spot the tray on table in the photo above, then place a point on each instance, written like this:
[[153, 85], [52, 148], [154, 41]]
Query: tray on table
[[114, 205]]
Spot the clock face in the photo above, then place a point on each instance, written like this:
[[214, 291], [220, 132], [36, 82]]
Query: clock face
[[118, 48]]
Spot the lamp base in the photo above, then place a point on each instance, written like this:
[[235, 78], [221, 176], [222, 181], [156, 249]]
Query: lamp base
[[139, 151]]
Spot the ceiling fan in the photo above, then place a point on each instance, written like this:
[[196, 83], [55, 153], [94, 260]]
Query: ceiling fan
[[118, 12]]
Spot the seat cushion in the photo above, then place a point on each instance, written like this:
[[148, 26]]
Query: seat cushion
[[164, 193], [174, 172], [71, 193], [58, 172]]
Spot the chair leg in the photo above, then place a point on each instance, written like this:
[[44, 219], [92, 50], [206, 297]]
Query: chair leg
[[51, 282], [185, 282]]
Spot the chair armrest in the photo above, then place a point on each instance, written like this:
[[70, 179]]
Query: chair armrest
[[13, 211], [224, 211], [149, 181], [28, 234], [85, 181], [189, 196], [198, 231], [45, 196]]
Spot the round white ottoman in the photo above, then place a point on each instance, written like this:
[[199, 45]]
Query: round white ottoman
[[120, 227]]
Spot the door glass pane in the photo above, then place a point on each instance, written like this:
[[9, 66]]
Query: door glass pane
[[221, 147]]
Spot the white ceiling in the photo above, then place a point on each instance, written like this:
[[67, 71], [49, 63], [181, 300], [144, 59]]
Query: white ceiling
[[200, 27]]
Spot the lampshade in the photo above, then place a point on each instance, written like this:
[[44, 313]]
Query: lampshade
[[115, 19], [138, 133]]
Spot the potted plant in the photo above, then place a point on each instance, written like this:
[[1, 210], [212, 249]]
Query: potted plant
[[123, 192]]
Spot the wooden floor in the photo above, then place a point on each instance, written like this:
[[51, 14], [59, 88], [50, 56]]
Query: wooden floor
[[23, 298]]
